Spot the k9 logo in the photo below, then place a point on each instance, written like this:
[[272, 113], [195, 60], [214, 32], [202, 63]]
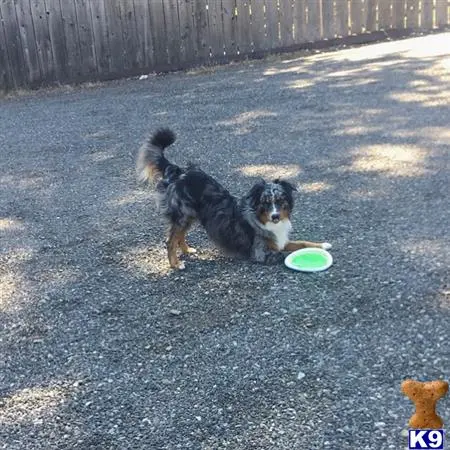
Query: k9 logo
[[429, 439]]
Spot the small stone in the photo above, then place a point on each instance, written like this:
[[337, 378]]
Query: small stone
[[380, 424], [175, 312], [301, 375]]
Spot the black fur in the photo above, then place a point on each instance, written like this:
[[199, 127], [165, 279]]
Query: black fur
[[163, 138], [151, 156], [189, 195]]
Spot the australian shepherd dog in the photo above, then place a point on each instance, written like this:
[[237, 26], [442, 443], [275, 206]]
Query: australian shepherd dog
[[254, 227]]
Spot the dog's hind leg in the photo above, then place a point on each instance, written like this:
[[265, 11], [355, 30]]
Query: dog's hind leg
[[185, 248], [176, 234], [177, 239]]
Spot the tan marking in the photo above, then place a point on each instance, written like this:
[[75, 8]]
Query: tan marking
[[284, 214], [271, 245], [177, 239], [291, 246], [173, 242], [185, 246], [264, 217], [153, 172]]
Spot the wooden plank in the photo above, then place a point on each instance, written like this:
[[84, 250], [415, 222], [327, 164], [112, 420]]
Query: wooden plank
[[71, 40], [364, 15], [158, 29], [398, 14], [299, 22], [145, 42], [132, 57], [243, 27], [384, 14], [356, 16], [30, 43], [427, 15], [57, 40], [201, 30], [258, 30], [6, 79], [412, 14], [86, 36], [342, 17], [272, 24], [229, 27], [173, 35], [215, 26], [32, 67], [188, 42], [101, 36], [329, 24], [39, 17], [286, 18], [442, 13], [19, 67], [371, 16], [313, 20], [115, 36]]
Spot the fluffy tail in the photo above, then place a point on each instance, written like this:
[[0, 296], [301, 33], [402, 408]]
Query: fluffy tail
[[151, 162]]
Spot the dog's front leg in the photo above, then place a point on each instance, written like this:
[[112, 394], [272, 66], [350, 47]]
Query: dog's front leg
[[267, 257], [264, 255], [291, 246]]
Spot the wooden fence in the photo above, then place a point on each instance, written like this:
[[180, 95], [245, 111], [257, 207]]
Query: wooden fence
[[45, 42]]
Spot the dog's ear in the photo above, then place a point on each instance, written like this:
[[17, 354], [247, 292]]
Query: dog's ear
[[254, 196], [288, 187]]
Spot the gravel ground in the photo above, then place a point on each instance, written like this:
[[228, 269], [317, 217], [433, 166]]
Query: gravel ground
[[103, 347]]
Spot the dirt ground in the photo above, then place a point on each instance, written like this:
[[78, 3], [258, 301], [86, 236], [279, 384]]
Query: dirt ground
[[103, 347]]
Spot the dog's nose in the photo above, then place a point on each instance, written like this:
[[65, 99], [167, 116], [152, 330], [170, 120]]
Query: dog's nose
[[275, 218]]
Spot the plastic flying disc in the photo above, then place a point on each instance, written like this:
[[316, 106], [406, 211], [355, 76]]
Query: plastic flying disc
[[309, 260]]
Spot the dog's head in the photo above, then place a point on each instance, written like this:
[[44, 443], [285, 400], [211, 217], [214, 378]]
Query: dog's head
[[272, 202]]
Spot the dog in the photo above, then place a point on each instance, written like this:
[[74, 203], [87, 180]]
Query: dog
[[254, 227]]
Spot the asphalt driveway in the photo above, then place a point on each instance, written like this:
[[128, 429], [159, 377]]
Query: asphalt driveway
[[103, 347]]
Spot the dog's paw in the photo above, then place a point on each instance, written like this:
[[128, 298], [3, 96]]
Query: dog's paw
[[326, 246], [274, 258], [178, 265]]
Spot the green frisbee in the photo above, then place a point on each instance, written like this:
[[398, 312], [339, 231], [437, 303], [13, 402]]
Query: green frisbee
[[309, 260]]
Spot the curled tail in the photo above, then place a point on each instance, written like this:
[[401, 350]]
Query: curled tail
[[151, 162]]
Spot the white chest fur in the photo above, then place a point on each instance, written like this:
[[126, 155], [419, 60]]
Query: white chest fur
[[281, 232]]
